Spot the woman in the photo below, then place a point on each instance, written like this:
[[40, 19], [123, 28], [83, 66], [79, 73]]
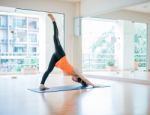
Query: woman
[[59, 60]]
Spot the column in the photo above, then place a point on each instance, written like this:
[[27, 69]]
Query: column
[[148, 48], [128, 46]]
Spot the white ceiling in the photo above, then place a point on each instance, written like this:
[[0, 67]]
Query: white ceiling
[[70, 0], [144, 7]]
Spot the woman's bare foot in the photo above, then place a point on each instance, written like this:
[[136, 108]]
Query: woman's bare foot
[[51, 17], [42, 87]]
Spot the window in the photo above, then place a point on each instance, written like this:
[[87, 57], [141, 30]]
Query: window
[[104, 42], [140, 46], [99, 49], [22, 40], [14, 43]]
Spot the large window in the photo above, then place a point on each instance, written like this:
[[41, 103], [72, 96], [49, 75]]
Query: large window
[[99, 49], [103, 43], [15, 43], [24, 36], [140, 46]]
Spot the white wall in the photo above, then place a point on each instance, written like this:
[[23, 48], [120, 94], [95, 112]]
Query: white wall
[[132, 16], [148, 54], [128, 46], [67, 8], [78, 43]]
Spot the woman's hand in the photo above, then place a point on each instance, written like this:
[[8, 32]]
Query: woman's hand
[[83, 80]]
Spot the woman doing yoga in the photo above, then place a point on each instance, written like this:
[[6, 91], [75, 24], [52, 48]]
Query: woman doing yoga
[[59, 60]]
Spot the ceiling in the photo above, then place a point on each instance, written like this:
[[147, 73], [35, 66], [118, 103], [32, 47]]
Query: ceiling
[[70, 0], [144, 7]]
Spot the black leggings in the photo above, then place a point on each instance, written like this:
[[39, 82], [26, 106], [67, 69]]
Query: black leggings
[[57, 55]]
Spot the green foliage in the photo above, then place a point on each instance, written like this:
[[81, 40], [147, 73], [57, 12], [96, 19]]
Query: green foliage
[[106, 45], [140, 38], [140, 43], [104, 39], [18, 68], [111, 62]]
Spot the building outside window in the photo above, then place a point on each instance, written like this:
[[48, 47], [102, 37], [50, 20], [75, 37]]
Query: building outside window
[[26, 41], [16, 33]]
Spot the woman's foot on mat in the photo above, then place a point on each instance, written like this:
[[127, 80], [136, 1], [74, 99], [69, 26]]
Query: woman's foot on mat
[[42, 87]]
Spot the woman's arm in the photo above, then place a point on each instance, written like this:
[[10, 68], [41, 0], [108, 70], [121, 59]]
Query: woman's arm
[[77, 74]]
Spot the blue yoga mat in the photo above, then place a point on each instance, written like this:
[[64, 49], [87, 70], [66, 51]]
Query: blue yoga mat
[[65, 88]]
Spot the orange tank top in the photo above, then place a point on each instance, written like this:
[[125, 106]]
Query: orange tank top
[[64, 65]]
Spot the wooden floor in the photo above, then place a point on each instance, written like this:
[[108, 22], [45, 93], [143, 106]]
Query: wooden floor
[[119, 99]]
